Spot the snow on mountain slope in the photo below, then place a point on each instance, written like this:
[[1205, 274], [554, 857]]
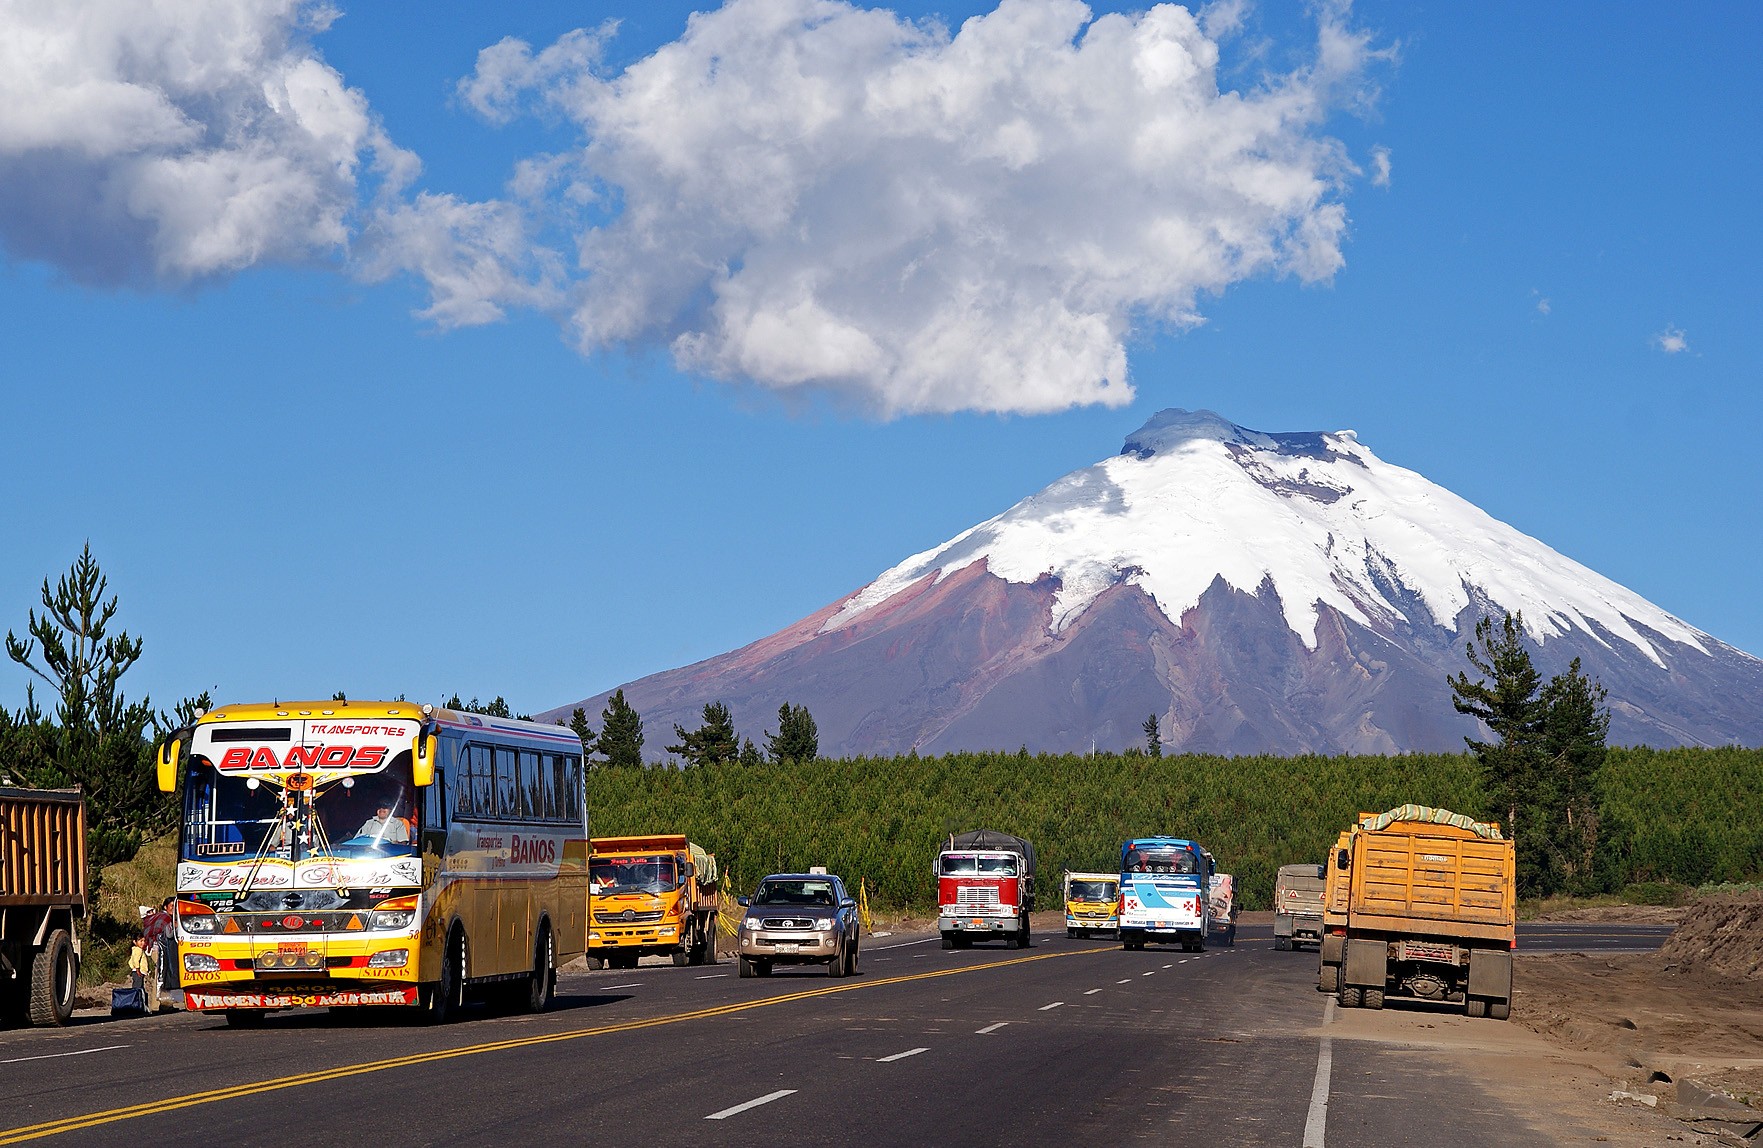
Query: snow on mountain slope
[[1193, 497]]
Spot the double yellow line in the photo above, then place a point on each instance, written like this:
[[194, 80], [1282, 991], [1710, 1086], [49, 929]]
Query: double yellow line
[[171, 1104]]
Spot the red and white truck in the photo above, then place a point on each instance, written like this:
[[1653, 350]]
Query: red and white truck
[[985, 888]]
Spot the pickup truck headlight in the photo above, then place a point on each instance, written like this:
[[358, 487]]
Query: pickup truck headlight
[[200, 963], [825, 924], [751, 923]]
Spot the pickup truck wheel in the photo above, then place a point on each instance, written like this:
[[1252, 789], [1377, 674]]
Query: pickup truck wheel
[[1476, 1008], [851, 961], [1283, 944], [1500, 1010], [1373, 998], [745, 967], [54, 971], [836, 966]]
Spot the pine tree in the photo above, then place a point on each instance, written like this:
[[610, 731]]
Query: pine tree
[[621, 732], [1575, 730], [798, 738], [97, 738], [1153, 736], [578, 724], [750, 754], [712, 743]]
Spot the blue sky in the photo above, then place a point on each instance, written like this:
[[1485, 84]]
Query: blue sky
[[297, 484]]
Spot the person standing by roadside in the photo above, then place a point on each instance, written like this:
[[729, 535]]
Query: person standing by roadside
[[141, 974]]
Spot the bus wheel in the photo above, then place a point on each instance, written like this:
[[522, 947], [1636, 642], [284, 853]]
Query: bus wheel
[[244, 1018], [542, 986], [441, 1000], [54, 971]]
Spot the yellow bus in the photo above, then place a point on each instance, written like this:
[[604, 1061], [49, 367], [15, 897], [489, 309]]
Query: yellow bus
[[375, 853]]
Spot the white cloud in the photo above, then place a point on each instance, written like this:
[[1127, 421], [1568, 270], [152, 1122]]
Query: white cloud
[[1542, 302], [173, 141], [814, 194], [1380, 166], [797, 193], [1672, 341]]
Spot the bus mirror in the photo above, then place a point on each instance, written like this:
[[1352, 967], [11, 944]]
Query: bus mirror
[[422, 760], [168, 765]]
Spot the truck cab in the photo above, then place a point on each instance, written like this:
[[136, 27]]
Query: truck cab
[[1092, 904], [985, 889]]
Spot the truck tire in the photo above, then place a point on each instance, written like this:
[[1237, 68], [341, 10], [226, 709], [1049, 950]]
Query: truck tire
[[710, 940], [596, 963], [1476, 1008], [1282, 944], [1328, 978], [54, 973], [1023, 939], [1352, 997], [1500, 1010], [1373, 998], [948, 940]]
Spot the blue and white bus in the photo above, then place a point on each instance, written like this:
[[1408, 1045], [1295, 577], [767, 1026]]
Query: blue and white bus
[[1164, 883]]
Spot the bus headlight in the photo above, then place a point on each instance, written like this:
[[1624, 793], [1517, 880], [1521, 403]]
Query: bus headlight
[[200, 963], [390, 959], [397, 913]]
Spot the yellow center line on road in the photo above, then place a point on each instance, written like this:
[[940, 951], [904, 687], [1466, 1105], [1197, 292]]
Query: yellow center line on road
[[173, 1103]]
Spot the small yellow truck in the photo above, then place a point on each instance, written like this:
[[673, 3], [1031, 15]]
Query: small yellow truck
[[42, 895], [653, 894], [1421, 902], [1092, 902]]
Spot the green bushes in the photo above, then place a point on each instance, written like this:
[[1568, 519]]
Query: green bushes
[[1682, 816]]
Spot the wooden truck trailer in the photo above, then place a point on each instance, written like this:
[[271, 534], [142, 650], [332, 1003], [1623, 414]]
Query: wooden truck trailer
[[1421, 902], [42, 894]]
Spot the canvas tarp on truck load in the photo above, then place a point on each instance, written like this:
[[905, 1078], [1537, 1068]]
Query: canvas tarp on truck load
[[992, 839]]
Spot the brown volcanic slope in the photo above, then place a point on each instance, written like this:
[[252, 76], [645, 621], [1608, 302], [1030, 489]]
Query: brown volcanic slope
[[972, 663]]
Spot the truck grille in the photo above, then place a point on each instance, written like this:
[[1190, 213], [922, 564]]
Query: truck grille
[[976, 897], [626, 917], [788, 922]]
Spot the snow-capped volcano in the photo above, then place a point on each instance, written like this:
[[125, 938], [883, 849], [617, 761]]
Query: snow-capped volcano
[[1317, 517], [1258, 592]]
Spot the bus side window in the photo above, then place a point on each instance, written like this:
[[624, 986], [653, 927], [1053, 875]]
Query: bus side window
[[434, 798], [507, 798], [548, 786], [570, 789], [483, 782], [530, 804]]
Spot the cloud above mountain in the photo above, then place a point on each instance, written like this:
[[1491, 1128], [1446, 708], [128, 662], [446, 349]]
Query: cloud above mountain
[[801, 194]]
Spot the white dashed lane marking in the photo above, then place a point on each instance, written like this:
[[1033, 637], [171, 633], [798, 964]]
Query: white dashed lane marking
[[900, 1055], [754, 1103], [1045, 1007], [990, 1028]]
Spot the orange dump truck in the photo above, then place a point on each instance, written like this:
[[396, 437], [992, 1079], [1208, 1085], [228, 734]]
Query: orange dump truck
[[652, 894], [42, 894], [1421, 902]]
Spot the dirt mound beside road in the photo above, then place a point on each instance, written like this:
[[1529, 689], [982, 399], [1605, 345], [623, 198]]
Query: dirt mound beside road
[[1720, 935]]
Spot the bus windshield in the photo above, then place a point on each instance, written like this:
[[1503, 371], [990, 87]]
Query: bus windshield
[[367, 815], [1181, 861], [636, 874], [978, 865], [1092, 891]]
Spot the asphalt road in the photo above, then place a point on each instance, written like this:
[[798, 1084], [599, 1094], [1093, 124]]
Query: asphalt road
[[1067, 1042]]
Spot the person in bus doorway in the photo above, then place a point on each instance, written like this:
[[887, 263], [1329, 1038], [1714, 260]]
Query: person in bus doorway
[[385, 828]]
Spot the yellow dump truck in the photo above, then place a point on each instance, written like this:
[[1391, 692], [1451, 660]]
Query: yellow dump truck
[[1092, 904], [1421, 902], [42, 894], [653, 894]]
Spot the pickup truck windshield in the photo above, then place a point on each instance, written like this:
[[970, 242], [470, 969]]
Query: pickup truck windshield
[[1092, 891], [794, 893], [635, 874], [978, 865]]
